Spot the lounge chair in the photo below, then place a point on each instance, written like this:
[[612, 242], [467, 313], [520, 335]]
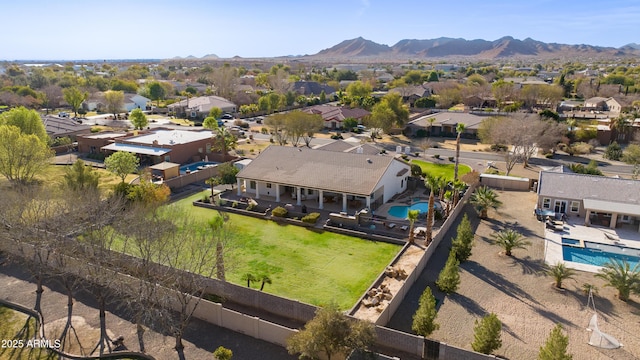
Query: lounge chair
[[552, 226]]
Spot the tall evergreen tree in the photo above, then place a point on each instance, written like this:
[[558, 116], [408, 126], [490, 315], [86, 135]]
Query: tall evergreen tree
[[463, 243], [555, 348], [424, 319], [486, 337], [449, 278]]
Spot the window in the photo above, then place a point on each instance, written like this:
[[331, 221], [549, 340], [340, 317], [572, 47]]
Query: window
[[268, 185], [309, 192], [194, 114], [252, 185], [208, 148], [167, 158], [546, 203], [575, 206]]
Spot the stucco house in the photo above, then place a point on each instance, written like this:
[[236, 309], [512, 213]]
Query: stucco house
[[317, 177], [333, 116], [444, 124], [198, 108], [135, 101], [309, 88], [599, 200]]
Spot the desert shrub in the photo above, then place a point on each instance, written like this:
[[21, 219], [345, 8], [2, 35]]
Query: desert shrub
[[311, 218], [205, 199], [582, 148], [405, 157], [450, 158], [416, 170], [586, 134], [251, 206], [613, 152], [264, 131], [279, 212], [498, 147], [436, 156]]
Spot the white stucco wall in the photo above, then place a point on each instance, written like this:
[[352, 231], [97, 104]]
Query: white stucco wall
[[393, 184]]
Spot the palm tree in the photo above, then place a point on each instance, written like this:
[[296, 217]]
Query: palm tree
[[265, 279], [510, 239], [457, 186], [431, 182], [559, 272], [412, 216], [224, 140], [212, 181], [483, 199], [431, 120], [620, 276], [249, 277], [460, 127]]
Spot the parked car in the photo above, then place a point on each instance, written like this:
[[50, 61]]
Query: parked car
[[63, 114], [227, 116]]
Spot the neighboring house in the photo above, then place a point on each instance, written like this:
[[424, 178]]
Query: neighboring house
[[333, 116], [318, 177], [599, 200], [60, 127], [570, 105], [131, 101], [444, 124], [608, 132], [309, 88], [596, 103], [198, 108], [135, 101], [154, 146], [477, 101], [412, 93], [349, 147]]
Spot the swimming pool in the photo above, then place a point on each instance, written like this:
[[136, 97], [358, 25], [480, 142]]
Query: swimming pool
[[401, 211], [597, 254], [196, 166]]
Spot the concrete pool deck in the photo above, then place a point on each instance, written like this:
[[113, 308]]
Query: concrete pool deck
[[574, 228]]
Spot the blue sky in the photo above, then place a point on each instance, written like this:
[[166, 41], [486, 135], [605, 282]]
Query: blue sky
[[127, 29]]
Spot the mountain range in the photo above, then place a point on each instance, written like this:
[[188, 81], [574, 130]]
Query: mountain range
[[444, 47]]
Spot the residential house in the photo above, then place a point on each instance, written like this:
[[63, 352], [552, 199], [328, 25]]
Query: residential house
[[57, 127], [153, 146], [596, 103], [444, 124], [349, 147], [599, 200], [319, 177], [198, 108], [310, 88], [412, 93], [333, 116], [135, 101]]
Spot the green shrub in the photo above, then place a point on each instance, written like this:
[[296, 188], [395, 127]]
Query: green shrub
[[279, 212], [581, 148], [311, 218], [450, 158], [264, 131], [498, 147], [549, 155], [492, 172], [405, 157], [234, 204], [436, 156], [205, 199], [251, 206], [613, 152]]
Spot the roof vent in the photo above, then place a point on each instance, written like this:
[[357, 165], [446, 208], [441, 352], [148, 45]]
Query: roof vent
[[369, 161]]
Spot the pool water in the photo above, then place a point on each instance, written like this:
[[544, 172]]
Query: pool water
[[598, 254], [194, 166], [401, 211]]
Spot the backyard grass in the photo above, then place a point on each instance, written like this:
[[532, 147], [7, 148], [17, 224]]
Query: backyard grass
[[21, 328], [304, 265], [445, 170]]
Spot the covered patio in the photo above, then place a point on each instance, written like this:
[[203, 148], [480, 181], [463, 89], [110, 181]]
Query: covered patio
[[611, 214]]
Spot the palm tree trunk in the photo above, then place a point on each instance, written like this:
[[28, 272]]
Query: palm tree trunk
[[430, 217], [455, 168]]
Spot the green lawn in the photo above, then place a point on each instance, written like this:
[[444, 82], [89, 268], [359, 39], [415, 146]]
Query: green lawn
[[20, 328], [304, 265], [445, 170]]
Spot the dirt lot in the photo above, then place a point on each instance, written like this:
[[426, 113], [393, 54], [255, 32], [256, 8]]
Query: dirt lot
[[523, 298]]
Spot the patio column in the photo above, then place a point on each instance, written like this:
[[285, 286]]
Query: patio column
[[257, 190], [239, 183], [614, 219], [344, 202], [587, 220], [277, 192], [320, 199], [368, 201], [298, 196]]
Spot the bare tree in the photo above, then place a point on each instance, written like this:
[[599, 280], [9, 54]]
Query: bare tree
[[224, 79]]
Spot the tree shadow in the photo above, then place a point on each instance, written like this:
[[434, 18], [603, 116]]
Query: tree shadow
[[529, 265], [497, 281], [508, 330], [470, 305], [555, 318]]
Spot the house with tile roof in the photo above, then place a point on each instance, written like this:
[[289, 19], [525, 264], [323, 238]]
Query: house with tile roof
[[333, 116], [309, 88], [599, 200], [444, 124], [198, 108], [316, 177]]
